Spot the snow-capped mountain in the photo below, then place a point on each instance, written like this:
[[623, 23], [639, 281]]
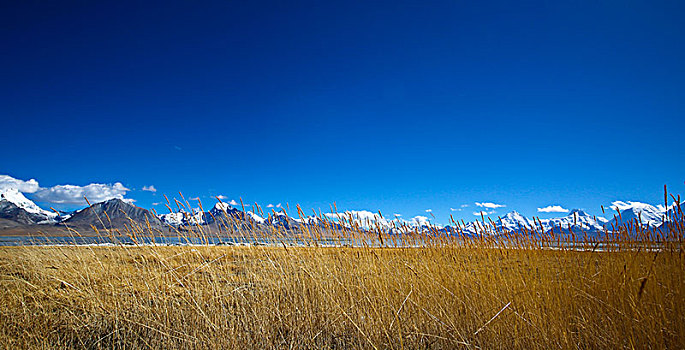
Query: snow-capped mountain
[[511, 222], [362, 219], [514, 221], [671, 216], [16, 207], [281, 219], [196, 217], [224, 214], [220, 214], [578, 221], [675, 213], [181, 218], [220, 210], [367, 220], [258, 219], [310, 220], [648, 214], [415, 224], [184, 218]]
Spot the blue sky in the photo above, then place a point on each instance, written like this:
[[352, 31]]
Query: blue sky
[[392, 106]]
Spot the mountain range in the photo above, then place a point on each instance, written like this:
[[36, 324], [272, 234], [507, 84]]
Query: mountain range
[[16, 211]]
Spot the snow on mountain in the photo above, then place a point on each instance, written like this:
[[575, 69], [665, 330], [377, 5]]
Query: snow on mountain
[[513, 221], [223, 213], [362, 219], [418, 223], [173, 219], [366, 220], [220, 213], [648, 214], [220, 209], [309, 220], [11, 200], [673, 215], [14, 196], [255, 217], [281, 219], [183, 218], [673, 212], [578, 220]]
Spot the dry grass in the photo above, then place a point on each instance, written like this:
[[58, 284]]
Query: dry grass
[[492, 290], [437, 296]]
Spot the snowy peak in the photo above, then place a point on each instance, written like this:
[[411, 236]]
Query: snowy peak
[[255, 217], [17, 198], [511, 222], [577, 220], [514, 221], [15, 206], [674, 212], [647, 214], [367, 220], [222, 214], [183, 218], [220, 208], [281, 219], [578, 213], [362, 219]]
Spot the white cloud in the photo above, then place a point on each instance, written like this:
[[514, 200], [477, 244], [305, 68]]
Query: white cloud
[[479, 213], [278, 205], [233, 202], [221, 197], [553, 209], [429, 210], [73, 194], [150, 188], [490, 205], [67, 194], [461, 207], [155, 204], [194, 198], [397, 215], [8, 182], [270, 205]]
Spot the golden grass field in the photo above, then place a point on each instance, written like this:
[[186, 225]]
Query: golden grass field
[[437, 296], [530, 290]]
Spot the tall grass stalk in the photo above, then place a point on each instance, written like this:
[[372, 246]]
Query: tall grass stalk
[[372, 289]]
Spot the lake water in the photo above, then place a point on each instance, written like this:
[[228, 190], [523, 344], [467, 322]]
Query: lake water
[[42, 240]]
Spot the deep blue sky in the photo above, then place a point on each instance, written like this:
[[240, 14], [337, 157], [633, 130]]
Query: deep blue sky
[[397, 106]]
